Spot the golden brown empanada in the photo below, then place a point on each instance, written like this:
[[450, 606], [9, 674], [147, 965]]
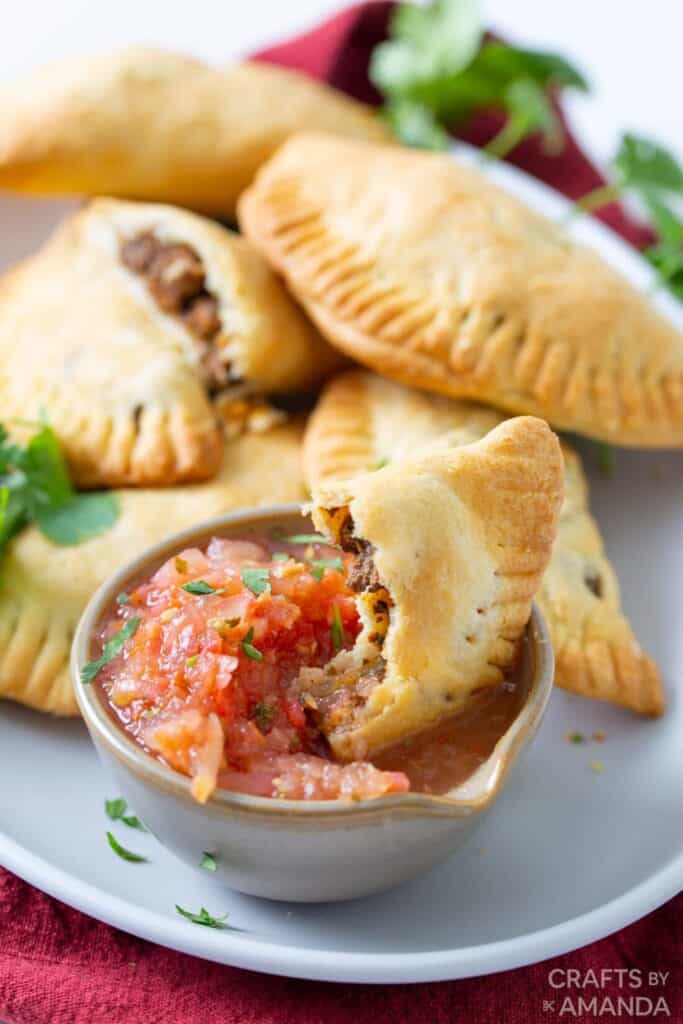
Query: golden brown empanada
[[450, 548], [147, 124], [423, 270], [44, 588], [139, 331], [363, 421]]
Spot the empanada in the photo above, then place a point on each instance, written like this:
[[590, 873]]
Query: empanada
[[139, 331], [147, 124], [450, 545], [363, 421], [44, 588], [425, 271]]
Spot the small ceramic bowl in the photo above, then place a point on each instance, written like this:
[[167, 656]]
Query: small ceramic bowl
[[289, 849]]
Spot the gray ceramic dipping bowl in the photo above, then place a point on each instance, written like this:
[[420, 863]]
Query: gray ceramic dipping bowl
[[298, 850]]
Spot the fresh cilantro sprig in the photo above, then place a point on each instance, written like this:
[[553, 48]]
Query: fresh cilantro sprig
[[256, 579], [437, 68], [208, 861], [122, 852], [648, 170], [35, 488], [116, 810], [203, 917]]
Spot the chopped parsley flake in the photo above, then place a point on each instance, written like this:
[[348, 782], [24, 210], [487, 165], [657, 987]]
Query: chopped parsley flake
[[208, 861], [257, 580], [116, 810], [110, 650], [575, 737], [306, 538], [122, 852], [201, 587], [264, 716], [203, 917], [249, 649], [337, 630]]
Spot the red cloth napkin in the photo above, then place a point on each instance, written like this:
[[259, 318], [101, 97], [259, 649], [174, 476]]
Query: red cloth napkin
[[58, 966]]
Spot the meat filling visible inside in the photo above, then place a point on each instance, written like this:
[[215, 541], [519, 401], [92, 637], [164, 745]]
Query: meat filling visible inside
[[175, 277]]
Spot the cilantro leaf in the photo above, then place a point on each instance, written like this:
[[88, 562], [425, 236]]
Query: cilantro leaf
[[249, 649], [281, 556], [116, 810], [644, 164], [416, 125], [257, 580], [208, 862], [203, 917], [327, 563], [122, 598], [530, 110], [122, 852], [110, 650], [200, 588], [337, 629], [82, 517], [306, 538]]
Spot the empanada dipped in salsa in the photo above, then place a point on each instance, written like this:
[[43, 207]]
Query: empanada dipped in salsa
[[363, 421], [450, 547], [145, 333], [234, 659], [423, 270], [147, 124]]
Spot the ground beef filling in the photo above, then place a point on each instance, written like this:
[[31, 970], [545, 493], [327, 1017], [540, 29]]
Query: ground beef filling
[[363, 575], [175, 277]]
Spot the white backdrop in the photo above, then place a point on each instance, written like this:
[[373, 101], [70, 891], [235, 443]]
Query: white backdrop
[[632, 51]]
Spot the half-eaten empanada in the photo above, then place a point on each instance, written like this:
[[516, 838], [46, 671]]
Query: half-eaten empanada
[[425, 271], [146, 124], [362, 422], [450, 548], [142, 333], [44, 588]]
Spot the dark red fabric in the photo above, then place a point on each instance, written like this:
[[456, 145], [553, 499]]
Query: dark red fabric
[[58, 966]]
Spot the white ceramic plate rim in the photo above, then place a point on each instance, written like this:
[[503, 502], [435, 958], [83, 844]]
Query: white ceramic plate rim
[[439, 965], [331, 965]]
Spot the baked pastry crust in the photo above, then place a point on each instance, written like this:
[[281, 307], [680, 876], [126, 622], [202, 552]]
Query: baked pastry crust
[[84, 342], [460, 537], [44, 588], [426, 272], [362, 421], [147, 124]]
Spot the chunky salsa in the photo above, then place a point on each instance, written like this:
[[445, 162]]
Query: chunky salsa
[[201, 664]]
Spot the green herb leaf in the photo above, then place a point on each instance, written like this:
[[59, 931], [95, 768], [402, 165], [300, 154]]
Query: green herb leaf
[[416, 125], [110, 650], [122, 852], [203, 917], [576, 737], [248, 648], [280, 556], [264, 715], [644, 164], [256, 580], [192, 660], [327, 563], [337, 630], [200, 588], [122, 598], [306, 538], [116, 810], [82, 517], [208, 862]]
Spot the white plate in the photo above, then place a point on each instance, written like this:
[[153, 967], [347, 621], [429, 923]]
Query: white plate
[[567, 857]]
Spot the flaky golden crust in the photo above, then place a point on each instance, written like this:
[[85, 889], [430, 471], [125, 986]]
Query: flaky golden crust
[[460, 536], [362, 421], [44, 588], [424, 271], [147, 124], [83, 342]]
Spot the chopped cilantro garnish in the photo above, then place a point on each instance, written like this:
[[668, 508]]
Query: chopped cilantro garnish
[[264, 716], [208, 861], [122, 598], [576, 737], [317, 574], [337, 630], [281, 556], [249, 649], [200, 588], [257, 580], [329, 563], [110, 650], [203, 917], [306, 538], [116, 810], [381, 463], [192, 661], [122, 852]]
